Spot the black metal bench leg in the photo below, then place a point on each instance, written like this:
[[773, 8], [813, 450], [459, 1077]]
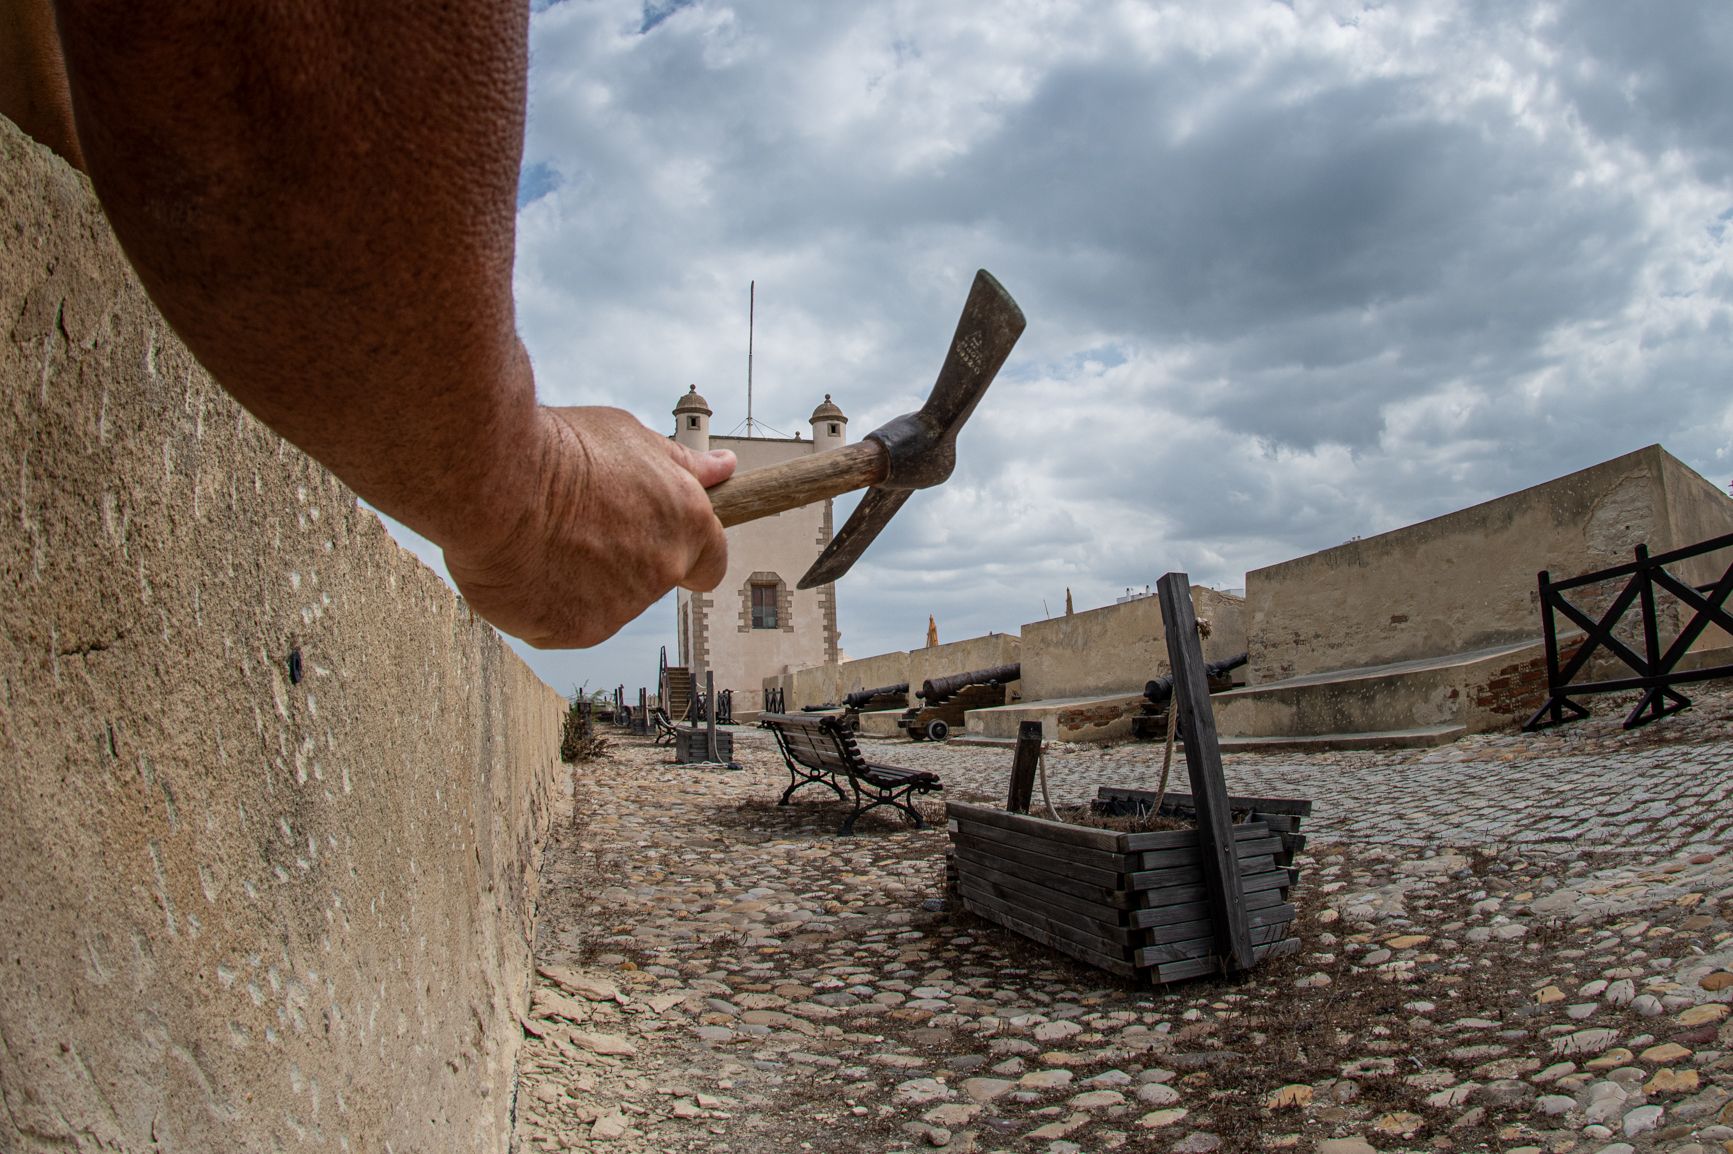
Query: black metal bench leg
[[896, 799], [796, 780]]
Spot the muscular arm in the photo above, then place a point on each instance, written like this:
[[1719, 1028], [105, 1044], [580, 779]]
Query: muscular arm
[[33, 93], [321, 197]]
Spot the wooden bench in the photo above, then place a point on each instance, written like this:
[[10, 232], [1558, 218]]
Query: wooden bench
[[666, 732], [819, 748]]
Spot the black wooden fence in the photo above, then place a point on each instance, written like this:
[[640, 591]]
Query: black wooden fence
[[1654, 671]]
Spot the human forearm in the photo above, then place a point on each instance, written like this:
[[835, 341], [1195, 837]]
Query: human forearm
[[33, 93], [320, 198]]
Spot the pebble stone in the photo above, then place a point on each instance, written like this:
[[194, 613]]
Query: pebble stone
[[1520, 942]]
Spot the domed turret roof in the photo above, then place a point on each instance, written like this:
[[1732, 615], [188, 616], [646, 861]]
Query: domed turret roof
[[692, 403], [827, 412]]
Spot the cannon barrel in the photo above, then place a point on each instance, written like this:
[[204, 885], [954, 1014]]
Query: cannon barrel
[[860, 697], [1158, 691], [937, 689]]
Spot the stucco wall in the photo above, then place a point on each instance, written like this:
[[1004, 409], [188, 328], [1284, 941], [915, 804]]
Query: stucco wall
[[237, 912], [1466, 580], [782, 546], [1117, 648]]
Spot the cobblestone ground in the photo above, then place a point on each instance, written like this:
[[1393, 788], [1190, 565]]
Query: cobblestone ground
[[1514, 943]]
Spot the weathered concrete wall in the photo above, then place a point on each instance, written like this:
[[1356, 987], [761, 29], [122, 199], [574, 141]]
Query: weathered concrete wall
[[716, 627], [815, 685], [1466, 581], [237, 911], [962, 656], [1697, 510], [1118, 648], [821, 684], [870, 673]]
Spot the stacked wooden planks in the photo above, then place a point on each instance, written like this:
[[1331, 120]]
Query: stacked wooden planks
[[1133, 904]]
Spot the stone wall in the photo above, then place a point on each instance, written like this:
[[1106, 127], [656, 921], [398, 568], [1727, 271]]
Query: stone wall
[[873, 672], [1697, 511], [1466, 581], [1118, 648], [821, 684], [271, 799], [955, 657]]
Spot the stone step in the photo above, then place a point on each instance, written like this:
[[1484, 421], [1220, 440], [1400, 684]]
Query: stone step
[[1106, 718], [1492, 688], [679, 691], [1418, 738]]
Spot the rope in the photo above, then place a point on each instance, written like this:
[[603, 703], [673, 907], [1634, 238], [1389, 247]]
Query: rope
[[1167, 755]]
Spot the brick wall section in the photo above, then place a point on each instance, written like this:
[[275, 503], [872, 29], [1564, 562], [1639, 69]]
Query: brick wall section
[[1516, 690], [1095, 716]]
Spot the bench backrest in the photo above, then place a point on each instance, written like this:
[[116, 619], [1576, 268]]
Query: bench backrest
[[816, 742]]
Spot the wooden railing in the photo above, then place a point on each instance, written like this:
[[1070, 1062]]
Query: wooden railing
[[1655, 670]]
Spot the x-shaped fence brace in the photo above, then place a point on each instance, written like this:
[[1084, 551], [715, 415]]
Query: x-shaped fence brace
[[1656, 670]]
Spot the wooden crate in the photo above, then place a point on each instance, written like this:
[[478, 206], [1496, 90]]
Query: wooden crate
[[1130, 903], [691, 744]]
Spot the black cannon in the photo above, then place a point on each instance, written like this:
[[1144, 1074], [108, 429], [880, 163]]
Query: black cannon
[[936, 690], [894, 696], [1158, 694], [1158, 691], [947, 699]]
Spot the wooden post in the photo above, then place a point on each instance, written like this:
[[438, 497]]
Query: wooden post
[[1209, 787], [710, 715], [1023, 766], [1549, 632], [641, 726]]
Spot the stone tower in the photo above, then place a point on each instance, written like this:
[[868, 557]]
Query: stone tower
[[756, 624]]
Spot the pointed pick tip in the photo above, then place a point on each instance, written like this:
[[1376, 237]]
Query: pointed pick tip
[[814, 578]]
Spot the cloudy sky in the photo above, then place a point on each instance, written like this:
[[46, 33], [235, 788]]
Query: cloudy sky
[[1293, 272]]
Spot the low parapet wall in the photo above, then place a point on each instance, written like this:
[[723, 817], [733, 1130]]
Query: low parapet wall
[[1466, 581], [871, 673], [955, 657], [1116, 649], [271, 800], [831, 683]]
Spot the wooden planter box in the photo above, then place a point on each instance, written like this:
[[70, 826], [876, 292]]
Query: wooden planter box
[[1130, 903], [692, 744]]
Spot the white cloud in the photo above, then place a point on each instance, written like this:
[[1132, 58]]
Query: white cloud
[[1294, 272]]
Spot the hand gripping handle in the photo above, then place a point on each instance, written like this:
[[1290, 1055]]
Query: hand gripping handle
[[779, 488]]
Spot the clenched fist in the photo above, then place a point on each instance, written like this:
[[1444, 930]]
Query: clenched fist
[[614, 517]]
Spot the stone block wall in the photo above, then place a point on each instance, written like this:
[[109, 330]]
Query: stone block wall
[[955, 657], [1466, 581], [1118, 648], [271, 800]]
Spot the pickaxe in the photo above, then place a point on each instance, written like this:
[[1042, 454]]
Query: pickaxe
[[914, 451]]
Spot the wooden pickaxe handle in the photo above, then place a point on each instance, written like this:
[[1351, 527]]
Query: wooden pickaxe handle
[[779, 488]]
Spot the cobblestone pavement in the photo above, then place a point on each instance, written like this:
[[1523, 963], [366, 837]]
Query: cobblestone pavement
[[1516, 943], [1589, 784]]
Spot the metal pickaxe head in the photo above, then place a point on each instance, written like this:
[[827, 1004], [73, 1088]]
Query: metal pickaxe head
[[914, 451]]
